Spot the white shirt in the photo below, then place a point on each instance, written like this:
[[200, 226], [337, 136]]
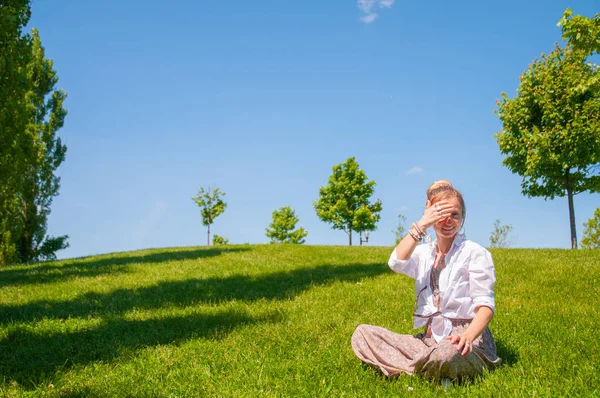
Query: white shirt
[[466, 283]]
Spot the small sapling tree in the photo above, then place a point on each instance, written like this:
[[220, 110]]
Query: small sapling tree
[[211, 206], [499, 236], [400, 230], [283, 228]]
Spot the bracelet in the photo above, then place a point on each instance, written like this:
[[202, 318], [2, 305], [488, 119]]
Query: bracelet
[[419, 232], [416, 226], [414, 236]]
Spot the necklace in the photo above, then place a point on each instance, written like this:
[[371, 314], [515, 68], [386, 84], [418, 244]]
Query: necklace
[[434, 278], [440, 259]]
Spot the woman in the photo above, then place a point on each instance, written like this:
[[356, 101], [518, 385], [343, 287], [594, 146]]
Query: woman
[[454, 280]]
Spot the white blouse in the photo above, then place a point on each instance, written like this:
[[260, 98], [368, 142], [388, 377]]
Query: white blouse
[[466, 283]]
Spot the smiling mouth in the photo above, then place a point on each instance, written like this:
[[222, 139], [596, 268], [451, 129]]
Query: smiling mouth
[[446, 229]]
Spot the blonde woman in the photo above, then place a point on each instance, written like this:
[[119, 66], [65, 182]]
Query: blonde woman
[[454, 281]]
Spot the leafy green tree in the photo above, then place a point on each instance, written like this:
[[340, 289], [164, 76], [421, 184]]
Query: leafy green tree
[[400, 231], [31, 112], [591, 233], [220, 240], [211, 206], [499, 236], [283, 228], [551, 129], [14, 56], [39, 182], [344, 202]]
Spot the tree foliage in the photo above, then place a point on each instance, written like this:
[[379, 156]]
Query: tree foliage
[[581, 33], [400, 230], [220, 240], [283, 227], [211, 206], [39, 182], [344, 202], [551, 129], [499, 236], [591, 232], [31, 113], [14, 56]]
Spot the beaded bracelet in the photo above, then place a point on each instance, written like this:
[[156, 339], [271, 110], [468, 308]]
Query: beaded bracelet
[[413, 235], [416, 226]]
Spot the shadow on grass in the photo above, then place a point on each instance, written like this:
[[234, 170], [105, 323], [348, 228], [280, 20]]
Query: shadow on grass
[[29, 357], [93, 266], [190, 292], [509, 356]]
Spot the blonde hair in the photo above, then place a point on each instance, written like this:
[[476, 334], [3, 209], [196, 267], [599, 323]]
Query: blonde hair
[[443, 189]]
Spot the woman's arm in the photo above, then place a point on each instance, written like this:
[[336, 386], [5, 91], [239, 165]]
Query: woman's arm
[[483, 317]]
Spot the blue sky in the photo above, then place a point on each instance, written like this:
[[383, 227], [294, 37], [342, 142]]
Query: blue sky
[[262, 98]]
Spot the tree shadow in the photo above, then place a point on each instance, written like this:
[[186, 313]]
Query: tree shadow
[[28, 357], [83, 267], [190, 292]]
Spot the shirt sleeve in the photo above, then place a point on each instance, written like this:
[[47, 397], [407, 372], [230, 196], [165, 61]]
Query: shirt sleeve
[[407, 267], [482, 277]]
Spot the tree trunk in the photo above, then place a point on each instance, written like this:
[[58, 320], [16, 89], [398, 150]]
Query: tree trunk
[[208, 236], [360, 238], [571, 212], [350, 236]]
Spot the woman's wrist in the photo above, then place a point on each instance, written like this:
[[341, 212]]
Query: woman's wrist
[[416, 232], [423, 225]]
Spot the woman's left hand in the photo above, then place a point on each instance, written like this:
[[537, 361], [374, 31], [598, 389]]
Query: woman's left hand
[[465, 345]]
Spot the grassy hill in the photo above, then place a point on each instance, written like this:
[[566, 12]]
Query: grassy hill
[[276, 320]]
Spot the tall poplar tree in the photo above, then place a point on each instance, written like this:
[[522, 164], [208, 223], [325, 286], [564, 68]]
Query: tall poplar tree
[[45, 153], [31, 112], [14, 55]]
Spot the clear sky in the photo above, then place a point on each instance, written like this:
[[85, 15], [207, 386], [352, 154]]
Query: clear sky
[[262, 98]]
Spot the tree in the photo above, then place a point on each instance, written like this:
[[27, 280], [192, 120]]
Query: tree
[[591, 232], [400, 229], [283, 228], [31, 112], [14, 56], [211, 206], [551, 129], [220, 240], [39, 182], [344, 202], [499, 236]]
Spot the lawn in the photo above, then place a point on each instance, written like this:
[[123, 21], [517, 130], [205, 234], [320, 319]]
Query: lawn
[[276, 320]]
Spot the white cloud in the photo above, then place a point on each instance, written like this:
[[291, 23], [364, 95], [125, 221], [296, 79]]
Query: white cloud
[[368, 18], [367, 5], [414, 170]]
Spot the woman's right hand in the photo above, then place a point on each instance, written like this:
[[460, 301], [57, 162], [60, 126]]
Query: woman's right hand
[[435, 213]]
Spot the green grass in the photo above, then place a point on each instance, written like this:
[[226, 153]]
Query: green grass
[[276, 320]]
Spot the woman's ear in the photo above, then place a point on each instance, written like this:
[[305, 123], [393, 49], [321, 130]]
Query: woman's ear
[[428, 203]]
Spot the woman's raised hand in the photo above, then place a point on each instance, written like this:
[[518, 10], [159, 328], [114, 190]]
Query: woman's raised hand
[[435, 212]]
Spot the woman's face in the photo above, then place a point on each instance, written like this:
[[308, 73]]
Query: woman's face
[[448, 226]]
